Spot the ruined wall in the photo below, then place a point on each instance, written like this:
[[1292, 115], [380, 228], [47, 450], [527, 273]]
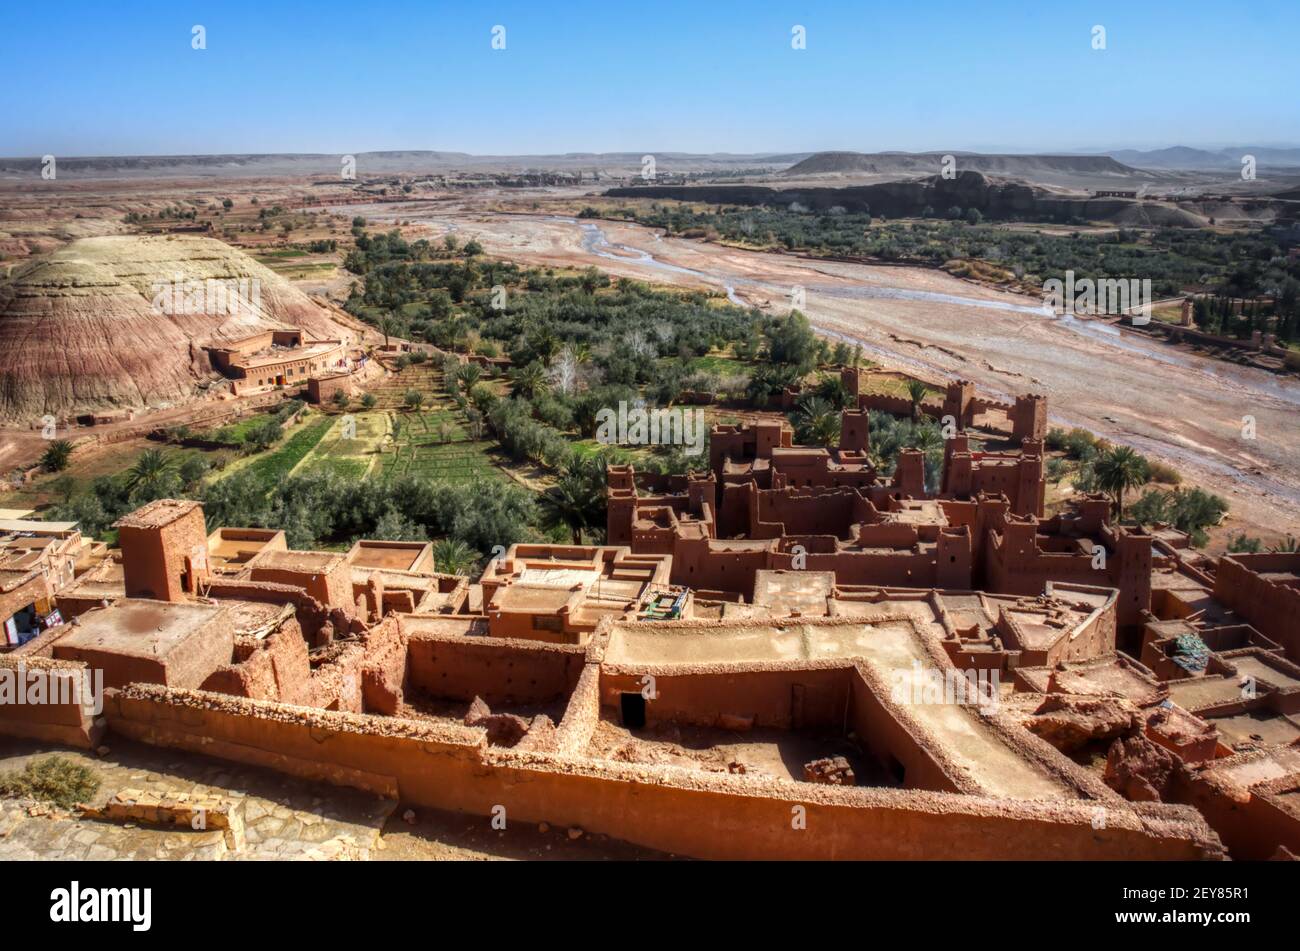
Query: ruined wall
[[275, 667], [332, 588], [792, 511], [1015, 564], [784, 699], [501, 672], [55, 704], [719, 817], [1249, 821], [888, 739], [1271, 606]]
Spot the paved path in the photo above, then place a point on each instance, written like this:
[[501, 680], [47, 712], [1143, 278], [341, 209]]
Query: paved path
[[283, 818]]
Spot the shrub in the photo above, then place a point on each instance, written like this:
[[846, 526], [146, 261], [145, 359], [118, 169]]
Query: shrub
[[1163, 473], [1244, 545], [1079, 443], [55, 779]]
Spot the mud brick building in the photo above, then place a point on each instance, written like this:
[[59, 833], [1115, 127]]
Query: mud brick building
[[278, 358], [952, 653]]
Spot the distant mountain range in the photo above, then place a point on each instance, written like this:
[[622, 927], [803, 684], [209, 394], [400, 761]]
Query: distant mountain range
[[1183, 158], [928, 163], [1099, 169]]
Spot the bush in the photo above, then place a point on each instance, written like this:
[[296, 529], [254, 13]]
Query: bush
[[1079, 444], [54, 779], [1244, 545], [1163, 473], [263, 436]]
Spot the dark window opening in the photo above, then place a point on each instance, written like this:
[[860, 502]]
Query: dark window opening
[[632, 707]]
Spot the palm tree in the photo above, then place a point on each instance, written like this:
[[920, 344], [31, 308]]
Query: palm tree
[[916, 390], [1288, 546], [453, 557], [469, 374], [387, 327], [529, 380], [149, 471], [818, 421], [55, 457], [1117, 470], [577, 499]]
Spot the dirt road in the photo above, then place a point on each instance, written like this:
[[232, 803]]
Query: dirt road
[[1190, 411]]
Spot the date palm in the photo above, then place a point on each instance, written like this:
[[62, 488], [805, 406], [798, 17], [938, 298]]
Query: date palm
[[916, 391], [528, 381], [149, 471], [453, 557], [1117, 470], [818, 421], [56, 455]]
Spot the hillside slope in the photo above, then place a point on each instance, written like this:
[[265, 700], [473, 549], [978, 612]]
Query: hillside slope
[[79, 332]]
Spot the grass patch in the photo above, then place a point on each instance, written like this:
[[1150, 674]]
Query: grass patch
[[54, 779], [274, 467]]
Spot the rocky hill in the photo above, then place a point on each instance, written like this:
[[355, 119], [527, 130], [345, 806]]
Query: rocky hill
[[1029, 167], [81, 329], [996, 200]]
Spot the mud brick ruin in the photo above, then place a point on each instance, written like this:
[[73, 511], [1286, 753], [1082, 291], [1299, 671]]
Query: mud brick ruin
[[787, 655]]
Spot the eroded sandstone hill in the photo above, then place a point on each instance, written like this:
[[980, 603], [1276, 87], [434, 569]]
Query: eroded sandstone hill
[[81, 328]]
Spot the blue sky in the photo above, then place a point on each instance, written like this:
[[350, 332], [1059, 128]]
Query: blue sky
[[99, 78]]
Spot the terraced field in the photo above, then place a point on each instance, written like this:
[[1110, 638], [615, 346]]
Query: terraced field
[[351, 448], [432, 443], [273, 467]]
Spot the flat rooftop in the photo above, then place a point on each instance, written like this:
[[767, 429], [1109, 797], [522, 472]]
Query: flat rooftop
[[317, 562], [231, 549], [157, 514], [916, 512], [274, 355], [787, 592], [139, 628], [1199, 692], [400, 556]]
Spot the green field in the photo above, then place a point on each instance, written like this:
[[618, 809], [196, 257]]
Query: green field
[[272, 468], [435, 461]]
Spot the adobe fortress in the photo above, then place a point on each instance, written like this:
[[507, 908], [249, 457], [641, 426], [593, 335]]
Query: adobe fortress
[[788, 655]]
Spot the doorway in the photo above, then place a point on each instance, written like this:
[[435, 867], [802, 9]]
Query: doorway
[[632, 707]]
